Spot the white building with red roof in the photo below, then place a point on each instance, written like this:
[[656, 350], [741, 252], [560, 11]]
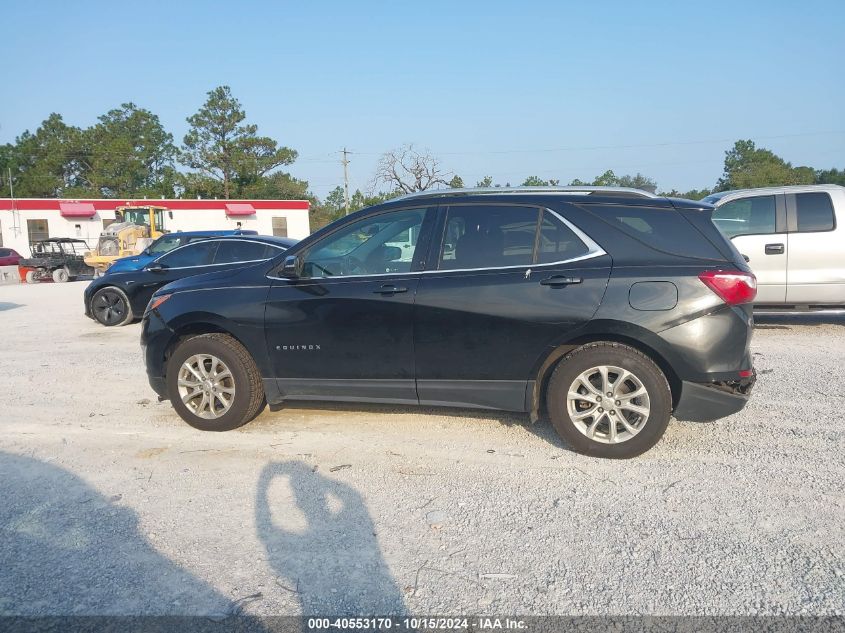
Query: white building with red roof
[[26, 220]]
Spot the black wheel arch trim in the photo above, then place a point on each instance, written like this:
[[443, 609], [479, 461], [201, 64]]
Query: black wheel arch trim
[[196, 323], [610, 331]]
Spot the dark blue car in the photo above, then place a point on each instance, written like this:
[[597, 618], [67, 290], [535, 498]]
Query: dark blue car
[[164, 244], [119, 298]]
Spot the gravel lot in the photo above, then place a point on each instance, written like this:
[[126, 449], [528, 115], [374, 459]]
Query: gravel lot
[[110, 504]]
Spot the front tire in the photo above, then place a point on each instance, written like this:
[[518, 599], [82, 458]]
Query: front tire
[[213, 383], [31, 278], [609, 400], [110, 307]]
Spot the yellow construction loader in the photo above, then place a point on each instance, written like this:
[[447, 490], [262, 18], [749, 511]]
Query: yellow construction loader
[[133, 230]]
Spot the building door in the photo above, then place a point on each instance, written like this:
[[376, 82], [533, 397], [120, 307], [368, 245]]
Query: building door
[[280, 227]]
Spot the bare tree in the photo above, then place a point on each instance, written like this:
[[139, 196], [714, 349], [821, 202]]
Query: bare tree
[[408, 170]]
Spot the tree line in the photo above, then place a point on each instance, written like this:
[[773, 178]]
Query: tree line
[[407, 170], [129, 154]]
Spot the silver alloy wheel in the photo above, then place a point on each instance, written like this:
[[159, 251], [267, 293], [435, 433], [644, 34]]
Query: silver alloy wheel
[[206, 386], [608, 404]]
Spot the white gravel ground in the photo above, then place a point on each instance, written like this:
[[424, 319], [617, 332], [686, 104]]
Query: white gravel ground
[[110, 504]]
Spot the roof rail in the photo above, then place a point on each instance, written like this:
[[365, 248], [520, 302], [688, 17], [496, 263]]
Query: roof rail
[[582, 191]]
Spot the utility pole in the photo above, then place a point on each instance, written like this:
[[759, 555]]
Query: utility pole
[[345, 162], [16, 218]]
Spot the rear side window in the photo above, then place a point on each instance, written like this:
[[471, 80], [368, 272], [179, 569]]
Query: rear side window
[[557, 241], [664, 230], [199, 254], [815, 212], [488, 236], [231, 251], [746, 216]]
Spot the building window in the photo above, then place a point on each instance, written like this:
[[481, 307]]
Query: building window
[[1, 235], [280, 227], [37, 230]]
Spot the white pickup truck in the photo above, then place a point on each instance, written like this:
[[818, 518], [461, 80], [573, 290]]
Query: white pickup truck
[[794, 240]]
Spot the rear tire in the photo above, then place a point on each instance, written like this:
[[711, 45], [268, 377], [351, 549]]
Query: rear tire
[[60, 275], [609, 400], [214, 384], [110, 307]]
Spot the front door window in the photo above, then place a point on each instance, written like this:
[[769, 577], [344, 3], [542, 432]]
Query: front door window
[[377, 245]]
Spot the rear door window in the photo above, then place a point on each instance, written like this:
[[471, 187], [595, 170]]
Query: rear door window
[[199, 254], [488, 236], [815, 212], [746, 216], [231, 251]]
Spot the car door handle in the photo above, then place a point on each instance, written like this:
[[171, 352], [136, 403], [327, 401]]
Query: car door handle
[[558, 281], [390, 289], [774, 249]]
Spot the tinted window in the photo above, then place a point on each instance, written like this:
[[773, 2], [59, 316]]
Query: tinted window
[[665, 230], [815, 212], [488, 237], [557, 241], [375, 245], [746, 216], [199, 254], [5, 252], [230, 251], [271, 251]]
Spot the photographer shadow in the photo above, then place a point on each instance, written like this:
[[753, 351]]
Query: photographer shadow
[[322, 544]]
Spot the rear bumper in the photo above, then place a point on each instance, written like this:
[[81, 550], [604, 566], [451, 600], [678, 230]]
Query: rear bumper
[[703, 402]]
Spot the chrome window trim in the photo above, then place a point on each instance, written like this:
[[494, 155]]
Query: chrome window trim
[[205, 241], [593, 250]]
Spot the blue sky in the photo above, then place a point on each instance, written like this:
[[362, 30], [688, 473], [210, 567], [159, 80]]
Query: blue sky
[[511, 89]]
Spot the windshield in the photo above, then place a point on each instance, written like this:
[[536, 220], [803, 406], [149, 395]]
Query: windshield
[[142, 216], [714, 198], [163, 245], [47, 247]]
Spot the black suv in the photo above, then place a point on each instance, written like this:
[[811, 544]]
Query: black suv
[[608, 308]]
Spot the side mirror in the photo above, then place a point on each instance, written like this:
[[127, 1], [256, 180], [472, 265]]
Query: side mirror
[[292, 267], [155, 267], [391, 253]]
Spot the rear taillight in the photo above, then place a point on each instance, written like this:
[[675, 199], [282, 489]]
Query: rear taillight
[[733, 287]]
